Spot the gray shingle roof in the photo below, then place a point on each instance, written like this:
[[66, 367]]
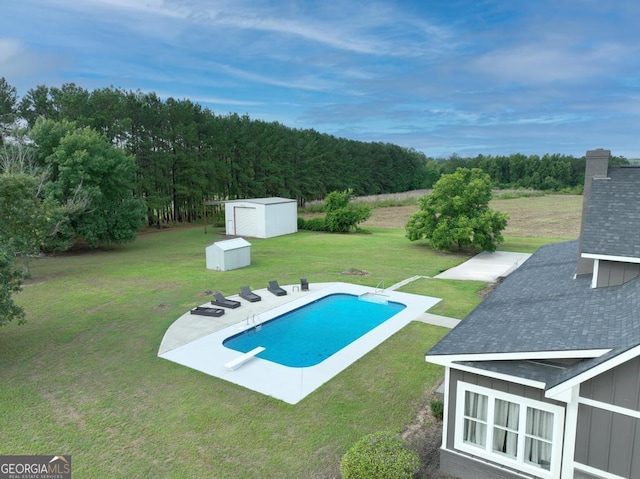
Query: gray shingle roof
[[541, 307], [612, 221]]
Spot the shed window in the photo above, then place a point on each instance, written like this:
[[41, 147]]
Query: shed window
[[511, 430]]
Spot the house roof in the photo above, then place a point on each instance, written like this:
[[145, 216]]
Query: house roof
[[542, 310], [612, 219]]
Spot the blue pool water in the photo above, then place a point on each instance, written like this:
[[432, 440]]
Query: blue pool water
[[310, 334]]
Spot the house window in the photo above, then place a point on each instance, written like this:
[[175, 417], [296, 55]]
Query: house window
[[475, 419], [511, 430]]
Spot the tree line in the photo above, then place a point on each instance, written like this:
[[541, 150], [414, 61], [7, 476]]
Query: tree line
[[185, 153], [549, 172]]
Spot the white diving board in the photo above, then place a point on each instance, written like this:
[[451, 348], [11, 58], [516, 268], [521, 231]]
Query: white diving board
[[244, 358]]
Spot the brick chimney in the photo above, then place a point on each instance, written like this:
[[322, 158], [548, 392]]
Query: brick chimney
[[597, 167]]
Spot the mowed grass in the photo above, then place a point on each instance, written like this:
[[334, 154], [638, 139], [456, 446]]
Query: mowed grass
[[82, 377]]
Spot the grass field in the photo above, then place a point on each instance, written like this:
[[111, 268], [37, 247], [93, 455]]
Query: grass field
[[82, 377]]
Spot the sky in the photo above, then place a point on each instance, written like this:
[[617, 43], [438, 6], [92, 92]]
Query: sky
[[444, 77]]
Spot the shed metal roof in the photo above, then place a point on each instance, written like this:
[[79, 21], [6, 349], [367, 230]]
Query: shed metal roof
[[230, 244], [264, 201]]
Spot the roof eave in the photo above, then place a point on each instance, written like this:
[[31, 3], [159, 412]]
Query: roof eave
[[561, 390], [608, 257], [449, 359]]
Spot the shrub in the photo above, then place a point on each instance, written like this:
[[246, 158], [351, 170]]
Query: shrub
[[341, 216], [344, 219], [314, 224], [381, 455], [437, 408]]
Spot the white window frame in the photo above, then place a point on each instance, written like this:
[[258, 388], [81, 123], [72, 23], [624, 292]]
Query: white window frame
[[487, 452]]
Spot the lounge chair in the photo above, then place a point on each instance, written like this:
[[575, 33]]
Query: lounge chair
[[224, 302], [246, 293], [206, 311], [275, 288], [304, 284]]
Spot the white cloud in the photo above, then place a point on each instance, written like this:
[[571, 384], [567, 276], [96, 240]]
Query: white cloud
[[371, 29], [303, 82], [18, 62], [572, 57], [9, 50], [147, 7]]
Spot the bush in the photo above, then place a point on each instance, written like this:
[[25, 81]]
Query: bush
[[381, 455], [341, 217], [437, 408], [344, 219], [314, 224]]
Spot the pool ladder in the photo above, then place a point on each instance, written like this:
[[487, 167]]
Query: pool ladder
[[378, 288], [257, 327]]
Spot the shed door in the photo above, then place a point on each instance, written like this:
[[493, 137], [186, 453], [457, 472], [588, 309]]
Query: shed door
[[246, 224]]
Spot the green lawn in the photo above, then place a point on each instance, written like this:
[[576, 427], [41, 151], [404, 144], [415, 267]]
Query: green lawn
[[82, 377]]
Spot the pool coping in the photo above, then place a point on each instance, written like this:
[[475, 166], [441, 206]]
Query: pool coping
[[202, 349]]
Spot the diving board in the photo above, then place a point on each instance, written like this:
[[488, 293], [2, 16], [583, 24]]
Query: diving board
[[244, 358]]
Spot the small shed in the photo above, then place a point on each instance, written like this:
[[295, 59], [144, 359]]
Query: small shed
[[261, 217], [228, 254]]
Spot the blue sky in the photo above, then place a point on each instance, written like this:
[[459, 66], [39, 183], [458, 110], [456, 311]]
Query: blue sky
[[443, 77]]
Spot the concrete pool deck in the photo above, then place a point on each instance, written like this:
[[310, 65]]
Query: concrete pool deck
[[189, 327], [197, 341]]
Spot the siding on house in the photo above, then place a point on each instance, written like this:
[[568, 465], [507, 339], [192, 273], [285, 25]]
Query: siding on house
[[463, 467], [609, 440], [614, 273], [584, 475]]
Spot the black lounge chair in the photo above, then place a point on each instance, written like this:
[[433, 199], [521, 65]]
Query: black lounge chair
[[224, 302], [205, 311], [246, 293], [275, 288], [304, 284]]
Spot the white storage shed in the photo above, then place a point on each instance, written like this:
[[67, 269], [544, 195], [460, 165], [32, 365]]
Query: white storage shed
[[261, 217], [228, 254]]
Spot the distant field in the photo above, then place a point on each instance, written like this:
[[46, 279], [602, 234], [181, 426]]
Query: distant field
[[551, 216]]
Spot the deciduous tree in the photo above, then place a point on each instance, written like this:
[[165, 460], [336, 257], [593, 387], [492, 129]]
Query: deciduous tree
[[456, 215], [97, 179]]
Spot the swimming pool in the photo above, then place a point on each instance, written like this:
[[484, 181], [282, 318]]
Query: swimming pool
[[206, 352], [308, 335]]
